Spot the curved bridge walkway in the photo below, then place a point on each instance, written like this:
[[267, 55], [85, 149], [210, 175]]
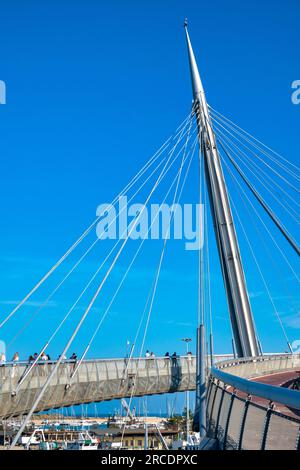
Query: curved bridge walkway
[[245, 410], [95, 381]]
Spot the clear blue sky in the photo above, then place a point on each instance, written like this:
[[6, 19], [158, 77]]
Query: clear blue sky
[[93, 88]]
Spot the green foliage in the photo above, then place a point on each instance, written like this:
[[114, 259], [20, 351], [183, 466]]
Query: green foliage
[[180, 420]]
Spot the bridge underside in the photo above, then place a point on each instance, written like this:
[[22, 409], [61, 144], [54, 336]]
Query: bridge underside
[[95, 381]]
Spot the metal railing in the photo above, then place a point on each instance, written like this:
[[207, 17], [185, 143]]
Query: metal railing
[[241, 414], [95, 380]]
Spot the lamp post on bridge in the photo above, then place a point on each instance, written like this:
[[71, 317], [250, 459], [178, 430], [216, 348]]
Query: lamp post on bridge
[[187, 341]]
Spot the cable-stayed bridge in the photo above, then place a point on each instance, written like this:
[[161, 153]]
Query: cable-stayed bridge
[[237, 399]]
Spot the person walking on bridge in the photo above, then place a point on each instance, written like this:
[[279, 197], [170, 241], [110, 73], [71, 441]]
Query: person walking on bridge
[[44, 356], [152, 357], [73, 357], [174, 359], [2, 359], [16, 357], [167, 359]]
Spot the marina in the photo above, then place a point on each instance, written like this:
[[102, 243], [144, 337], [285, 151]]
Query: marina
[[111, 433]]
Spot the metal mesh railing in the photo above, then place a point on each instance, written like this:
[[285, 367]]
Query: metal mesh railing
[[239, 422], [95, 380]]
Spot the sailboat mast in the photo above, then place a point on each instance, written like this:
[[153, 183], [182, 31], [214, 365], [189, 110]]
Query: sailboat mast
[[234, 279]]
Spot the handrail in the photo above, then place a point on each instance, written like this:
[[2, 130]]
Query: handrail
[[290, 398], [89, 361], [247, 360], [232, 361]]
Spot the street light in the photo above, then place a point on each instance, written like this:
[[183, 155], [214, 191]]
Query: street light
[[187, 341]]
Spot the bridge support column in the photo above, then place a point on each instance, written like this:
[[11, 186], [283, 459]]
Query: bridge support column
[[201, 381]]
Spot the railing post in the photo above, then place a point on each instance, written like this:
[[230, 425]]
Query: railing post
[[267, 424], [201, 380], [298, 443], [188, 363], [247, 404], [216, 385], [211, 349], [228, 418], [158, 374], [209, 387], [219, 411]]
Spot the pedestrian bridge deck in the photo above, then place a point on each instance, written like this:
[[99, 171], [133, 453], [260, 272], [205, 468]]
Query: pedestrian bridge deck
[[108, 379], [95, 381]]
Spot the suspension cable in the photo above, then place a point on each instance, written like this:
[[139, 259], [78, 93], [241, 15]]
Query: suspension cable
[[259, 158], [269, 233], [220, 121], [88, 250], [254, 138], [86, 312], [271, 214], [266, 245], [87, 231], [256, 262], [123, 279], [153, 289], [257, 172], [75, 304], [208, 265]]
